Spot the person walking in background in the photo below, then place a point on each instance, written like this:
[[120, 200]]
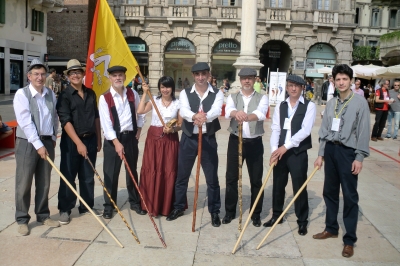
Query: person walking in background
[[160, 156], [50, 79], [357, 88], [258, 85], [381, 105], [394, 111], [331, 89]]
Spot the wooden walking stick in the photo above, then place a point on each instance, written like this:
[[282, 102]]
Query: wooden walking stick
[[151, 98], [287, 208], [196, 187], [83, 201], [141, 196], [112, 201], [253, 208], [240, 150]]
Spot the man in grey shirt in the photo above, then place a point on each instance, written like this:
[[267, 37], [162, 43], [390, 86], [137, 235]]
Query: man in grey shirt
[[394, 111], [344, 143]]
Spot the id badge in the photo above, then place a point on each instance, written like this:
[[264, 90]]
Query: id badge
[[335, 124], [286, 125]]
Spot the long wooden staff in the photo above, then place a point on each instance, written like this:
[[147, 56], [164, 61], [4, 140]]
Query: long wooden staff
[[253, 208], [151, 98], [287, 208], [196, 188], [112, 201], [240, 150], [82, 200], [145, 205]]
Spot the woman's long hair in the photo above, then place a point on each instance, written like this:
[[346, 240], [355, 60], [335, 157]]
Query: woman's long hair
[[168, 82]]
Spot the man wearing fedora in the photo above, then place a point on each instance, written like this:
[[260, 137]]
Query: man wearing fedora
[[122, 127], [201, 105], [291, 138], [35, 110], [249, 108], [80, 139]]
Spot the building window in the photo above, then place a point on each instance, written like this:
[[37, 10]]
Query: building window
[[136, 2], [181, 2], [326, 4], [376, 17], [373, 43], [37, 21], [357, 16], [394, 18], [2, 11], [356, 42], [229, 2], [279, 3]]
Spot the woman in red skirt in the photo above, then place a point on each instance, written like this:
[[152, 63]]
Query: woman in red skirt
[[160, 157]]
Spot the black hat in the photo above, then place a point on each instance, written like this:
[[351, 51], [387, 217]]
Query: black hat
[[200, 66], [116, 69], [244, 72], [296, 79]]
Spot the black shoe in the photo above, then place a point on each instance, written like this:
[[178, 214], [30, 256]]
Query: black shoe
[[107, 214], [302, 230], [272, 222], [138, 210], [227, 219], [256, 221], [215, 221], [174, 214]]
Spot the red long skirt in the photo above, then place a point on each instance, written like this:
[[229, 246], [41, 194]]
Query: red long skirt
[[159, 170]]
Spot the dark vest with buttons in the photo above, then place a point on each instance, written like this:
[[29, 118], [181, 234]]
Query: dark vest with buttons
[[114, 114], [194, 102], [295, 125]]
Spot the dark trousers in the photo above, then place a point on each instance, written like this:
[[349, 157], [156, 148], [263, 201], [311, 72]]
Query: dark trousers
[[252, 152], [338, 162], [297, 166], [72, 164], [380, 122], [112, 166], [29, 165], [209, 163]]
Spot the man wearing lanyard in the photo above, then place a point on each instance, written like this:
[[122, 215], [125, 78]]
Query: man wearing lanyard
[[200, 106], [291, 138], [122, 127], [344, 143], [249, 108]]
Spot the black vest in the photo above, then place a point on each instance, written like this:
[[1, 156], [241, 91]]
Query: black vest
[[194, 102], [295, 125], [380, 105]]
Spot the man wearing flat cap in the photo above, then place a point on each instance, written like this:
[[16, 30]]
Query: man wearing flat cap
[[249, 108], [80, 139], [35, 111], [200, 107], [291, 138], [122, 127]]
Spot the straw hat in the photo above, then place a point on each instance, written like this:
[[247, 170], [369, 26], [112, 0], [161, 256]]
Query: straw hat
[[74, 64]]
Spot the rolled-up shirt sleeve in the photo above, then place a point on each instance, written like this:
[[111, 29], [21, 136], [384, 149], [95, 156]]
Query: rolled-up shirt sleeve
[[185, 110], [262, 108], [216, 108], [229, 107], [105, 120]]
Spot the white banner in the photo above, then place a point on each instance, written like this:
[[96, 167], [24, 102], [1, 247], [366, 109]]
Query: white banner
[[277, 87]]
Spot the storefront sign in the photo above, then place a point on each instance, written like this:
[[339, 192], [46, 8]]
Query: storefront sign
[[137, 47], [180, 45], [274, 54], [16, 57], [310, 65], [31, 57], [324, 61], [227, 46], [299, 65]]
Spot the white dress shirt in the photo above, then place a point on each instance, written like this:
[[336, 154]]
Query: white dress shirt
[[24, 116], [260, 112], [331, 91], [304, 132], [124, 113], [214, 112], [167, 113]]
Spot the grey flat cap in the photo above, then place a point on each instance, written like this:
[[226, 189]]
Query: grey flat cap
[[37, 62], [116, 69], [296, 79], [247, 72], [200, 66]]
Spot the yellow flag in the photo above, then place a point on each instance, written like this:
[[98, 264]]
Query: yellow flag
[[107, 48]]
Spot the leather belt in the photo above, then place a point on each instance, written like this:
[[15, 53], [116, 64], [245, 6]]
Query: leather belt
[[45, 137], [86, 135], [247, 140], [335, 142], [126, 132]]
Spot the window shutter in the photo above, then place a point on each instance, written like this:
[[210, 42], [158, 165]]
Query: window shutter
[[288, 4], [335, 4], [33, 22], [3, 11], [267, 3], [41, 21], [379, 22], [398, 19], [238, 3], [314, 4]]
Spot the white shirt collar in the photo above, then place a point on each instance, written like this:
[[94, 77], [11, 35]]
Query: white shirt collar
[[209, 88], [34, 91], [301, 99], [251, 95], [114, 92]]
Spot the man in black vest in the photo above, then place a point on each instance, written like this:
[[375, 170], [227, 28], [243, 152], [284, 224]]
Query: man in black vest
[[291, 128], [200, 106], [122, 127]]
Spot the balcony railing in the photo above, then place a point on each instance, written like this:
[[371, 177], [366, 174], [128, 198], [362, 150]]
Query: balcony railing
[[326, 19], [132, 11], [180, 11], [278, 16], [228, 12]]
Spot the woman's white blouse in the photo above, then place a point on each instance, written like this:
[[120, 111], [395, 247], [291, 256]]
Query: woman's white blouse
[[167, 113]]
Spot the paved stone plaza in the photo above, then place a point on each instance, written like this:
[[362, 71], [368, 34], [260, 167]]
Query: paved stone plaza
[[85, 242]]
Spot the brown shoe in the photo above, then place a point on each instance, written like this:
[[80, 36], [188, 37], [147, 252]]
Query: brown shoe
[[373, 139], [324, 235], [348, 251], [380, 138]]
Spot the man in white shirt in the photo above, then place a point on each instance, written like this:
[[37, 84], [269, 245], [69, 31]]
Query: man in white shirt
[[200, 107], [291, 138], [331, 89], [122, 127], [35, 110], [249, 108]]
